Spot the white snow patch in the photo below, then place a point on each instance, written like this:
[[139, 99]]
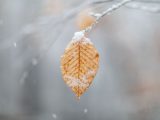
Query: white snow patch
[[87, 40], [88, 74], [74, 82], [97, 15], [78, 35]]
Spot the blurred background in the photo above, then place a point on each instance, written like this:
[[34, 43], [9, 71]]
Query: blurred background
[[33, 36]]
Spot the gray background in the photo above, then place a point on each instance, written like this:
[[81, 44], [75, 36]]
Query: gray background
[[126, 86]]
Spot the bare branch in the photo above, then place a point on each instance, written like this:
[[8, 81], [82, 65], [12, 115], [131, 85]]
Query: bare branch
[[106, 12], [153, 9]]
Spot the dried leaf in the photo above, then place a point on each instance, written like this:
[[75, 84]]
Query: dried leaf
[[79, 64]]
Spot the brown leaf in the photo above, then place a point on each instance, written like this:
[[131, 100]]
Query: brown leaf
[[79, 64]]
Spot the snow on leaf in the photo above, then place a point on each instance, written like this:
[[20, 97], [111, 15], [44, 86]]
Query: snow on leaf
[[79, 64]]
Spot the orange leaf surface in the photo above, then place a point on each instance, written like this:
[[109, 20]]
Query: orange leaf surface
[[79, 64]]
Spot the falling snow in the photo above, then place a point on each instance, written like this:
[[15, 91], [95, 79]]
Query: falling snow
[[85, 110], [15, 44], [54, 116], [34, 61]]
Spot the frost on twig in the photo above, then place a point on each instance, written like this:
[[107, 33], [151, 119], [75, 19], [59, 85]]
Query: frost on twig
[[106, 12], [145, 7], [114, 7]]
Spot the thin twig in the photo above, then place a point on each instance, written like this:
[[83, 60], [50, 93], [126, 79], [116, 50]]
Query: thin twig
[[153, 9], [107, 12]]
